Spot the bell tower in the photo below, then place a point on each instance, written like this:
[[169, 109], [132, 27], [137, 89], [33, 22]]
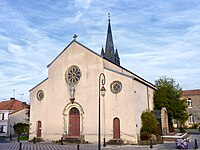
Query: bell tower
[[110, 53]]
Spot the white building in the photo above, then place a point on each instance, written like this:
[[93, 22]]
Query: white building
[[17, 117], [6, 108], [66, 103]]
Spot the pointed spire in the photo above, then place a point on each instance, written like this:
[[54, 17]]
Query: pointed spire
[[102, 52], [110, 53], [109, 49], [109, 41], [117, 59], [116, 53]]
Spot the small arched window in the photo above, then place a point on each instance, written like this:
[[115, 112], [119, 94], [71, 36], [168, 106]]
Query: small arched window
[[189, 102], [191, 119]]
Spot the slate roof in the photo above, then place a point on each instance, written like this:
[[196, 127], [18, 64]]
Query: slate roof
[[191, 92], [11, 104], [110, 53]]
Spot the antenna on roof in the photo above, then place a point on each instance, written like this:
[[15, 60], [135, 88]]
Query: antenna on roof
[[21, 95], [13, 93]]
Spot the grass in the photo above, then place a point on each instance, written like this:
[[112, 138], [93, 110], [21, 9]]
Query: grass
[[23, 138]]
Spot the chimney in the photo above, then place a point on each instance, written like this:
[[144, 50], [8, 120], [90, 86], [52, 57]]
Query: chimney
[[12, 98], [24, 105]]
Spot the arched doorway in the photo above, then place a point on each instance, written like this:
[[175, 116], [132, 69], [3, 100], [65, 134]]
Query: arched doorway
[[74, 122], [39, 129], [116, 128]]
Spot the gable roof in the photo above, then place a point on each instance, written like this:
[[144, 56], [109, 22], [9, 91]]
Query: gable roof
[[138, 78], [68, 46], [191, 92], [11, 104], [14, 112], [38, 84]]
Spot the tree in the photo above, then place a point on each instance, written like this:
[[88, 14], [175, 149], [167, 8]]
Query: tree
[[20, 128], [168, 95], [149, 125]]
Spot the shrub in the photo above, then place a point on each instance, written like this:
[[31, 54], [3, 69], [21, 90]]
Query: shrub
[[20, 128], [194, 126], [149, 125]]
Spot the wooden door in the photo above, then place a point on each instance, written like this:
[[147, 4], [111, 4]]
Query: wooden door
[[116, 128], [74, 122], [39, 129]]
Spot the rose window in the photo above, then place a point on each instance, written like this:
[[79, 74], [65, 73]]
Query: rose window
[[73, 75], [116, 87]]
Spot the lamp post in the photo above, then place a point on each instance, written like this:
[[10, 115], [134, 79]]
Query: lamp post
[[102, 90]]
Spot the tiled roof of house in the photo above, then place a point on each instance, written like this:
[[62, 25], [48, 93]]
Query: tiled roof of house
[[11, 104], [191, 92]]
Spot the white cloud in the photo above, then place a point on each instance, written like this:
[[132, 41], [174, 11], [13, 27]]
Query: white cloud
[[153, 38]]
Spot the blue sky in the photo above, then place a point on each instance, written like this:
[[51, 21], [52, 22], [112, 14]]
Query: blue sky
[[154, 38]]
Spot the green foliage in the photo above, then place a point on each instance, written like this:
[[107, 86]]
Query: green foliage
[[168, 95], [20, 128], [149, 125], [194, 126], [24, 138]]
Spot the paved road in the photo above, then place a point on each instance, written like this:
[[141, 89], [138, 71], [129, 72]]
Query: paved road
[[50, 146], [2, 139], [53, 146]]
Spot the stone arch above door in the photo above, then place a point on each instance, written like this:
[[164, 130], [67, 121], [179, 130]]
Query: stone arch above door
[[66, 112]]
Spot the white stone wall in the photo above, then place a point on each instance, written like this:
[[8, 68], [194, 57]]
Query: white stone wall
[[17, 117], [38, 109], [4, 122], [53, 110]]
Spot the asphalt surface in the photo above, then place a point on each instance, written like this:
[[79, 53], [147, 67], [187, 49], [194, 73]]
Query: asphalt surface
[[14, 145]]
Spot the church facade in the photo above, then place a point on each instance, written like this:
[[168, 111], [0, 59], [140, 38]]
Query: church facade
[[66, 103]]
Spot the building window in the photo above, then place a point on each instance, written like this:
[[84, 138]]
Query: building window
[[73, 75], [189, 102], [2, 117], [116, 87], [1, 129], [40, 95], [191, 119], [174, 121]]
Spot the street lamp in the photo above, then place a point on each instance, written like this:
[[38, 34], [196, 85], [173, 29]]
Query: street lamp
[[102, 92]]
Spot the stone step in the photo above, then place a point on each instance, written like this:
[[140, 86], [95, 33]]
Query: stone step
[[72, 140], [115, 142]]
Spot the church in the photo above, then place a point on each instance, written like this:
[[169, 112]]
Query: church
[[88, 95]]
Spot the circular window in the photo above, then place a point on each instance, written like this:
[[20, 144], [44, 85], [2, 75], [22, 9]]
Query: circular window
[[116, 87], [40, 95], [73, 75]]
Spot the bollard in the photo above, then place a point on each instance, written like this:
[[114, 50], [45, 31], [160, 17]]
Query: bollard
[[78, 147], [20, 145], [61, 141], [104, 142], [34, 140], [151, 144], [10, 137], [195, 144], [18, 138]]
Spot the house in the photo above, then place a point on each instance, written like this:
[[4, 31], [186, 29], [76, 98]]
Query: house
[[66, 104], [7, 108], [20, 116], [192, 98]]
